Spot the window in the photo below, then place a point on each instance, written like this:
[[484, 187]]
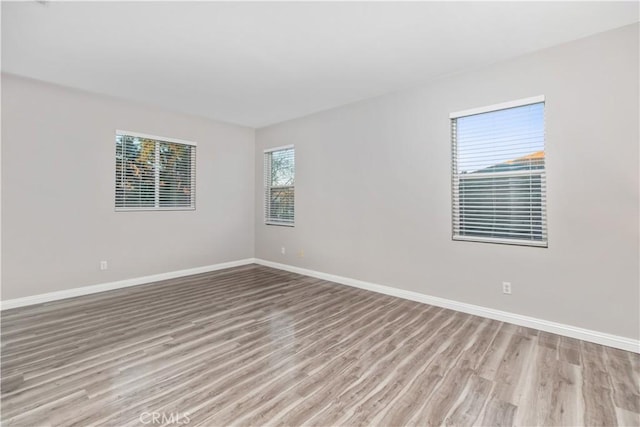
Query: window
[[279, 181], [499, 193], [154, 173]]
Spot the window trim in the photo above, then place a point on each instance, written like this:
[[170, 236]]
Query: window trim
[[543, 174], [157, 175], [267, 188], [496, 107], [280, 148], [155, 137]]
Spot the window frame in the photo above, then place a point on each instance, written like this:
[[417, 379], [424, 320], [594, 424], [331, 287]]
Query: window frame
[[455, 176], [268, 187], [159, 139]]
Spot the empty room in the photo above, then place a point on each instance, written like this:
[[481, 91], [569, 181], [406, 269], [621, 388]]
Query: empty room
[[320, 214]]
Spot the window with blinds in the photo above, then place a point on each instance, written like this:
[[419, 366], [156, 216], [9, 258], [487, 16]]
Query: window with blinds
[[279, 186], [499, 183], [154, 173]]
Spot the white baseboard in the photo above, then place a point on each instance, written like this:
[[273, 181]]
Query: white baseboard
[[603, 338], [610, 340], [86, 290]]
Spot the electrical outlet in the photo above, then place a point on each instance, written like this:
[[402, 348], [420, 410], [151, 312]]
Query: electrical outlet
[[506, 288], [283, 250], [301, 253], [103, 265]]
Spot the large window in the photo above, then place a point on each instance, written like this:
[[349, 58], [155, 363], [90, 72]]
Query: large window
[[499, 193], [154, 173], [279, 182]]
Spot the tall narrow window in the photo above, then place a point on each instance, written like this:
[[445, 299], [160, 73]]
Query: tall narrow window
[[154, 173], [279, 186], [499, 183]]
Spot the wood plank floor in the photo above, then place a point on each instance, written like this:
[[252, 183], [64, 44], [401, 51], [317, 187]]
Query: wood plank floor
[[257, 346]]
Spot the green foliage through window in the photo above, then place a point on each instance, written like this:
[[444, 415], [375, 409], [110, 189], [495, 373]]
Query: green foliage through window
[[279, 169], [154, 174]]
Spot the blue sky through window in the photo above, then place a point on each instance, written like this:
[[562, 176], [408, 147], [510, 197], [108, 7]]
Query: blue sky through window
[[498, 137]]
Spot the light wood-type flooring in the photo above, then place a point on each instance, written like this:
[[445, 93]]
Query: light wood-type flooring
[[257, 346]]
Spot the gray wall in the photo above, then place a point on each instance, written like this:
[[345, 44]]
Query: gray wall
[[58, 166], [372, 195], [373, 189]]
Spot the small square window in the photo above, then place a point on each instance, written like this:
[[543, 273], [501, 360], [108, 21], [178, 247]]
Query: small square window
[[154, 173]]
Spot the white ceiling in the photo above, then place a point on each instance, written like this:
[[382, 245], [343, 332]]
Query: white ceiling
[[258, 63]]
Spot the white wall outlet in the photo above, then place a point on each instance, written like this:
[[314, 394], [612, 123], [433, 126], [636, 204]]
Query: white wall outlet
[[103, 265], [506, 288], [283, 250], [301, 253]]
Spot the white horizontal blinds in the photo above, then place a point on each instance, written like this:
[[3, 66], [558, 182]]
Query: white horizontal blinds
[[177, 178], [279, 179], [499, 183], [154, 174], [135, 172]]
